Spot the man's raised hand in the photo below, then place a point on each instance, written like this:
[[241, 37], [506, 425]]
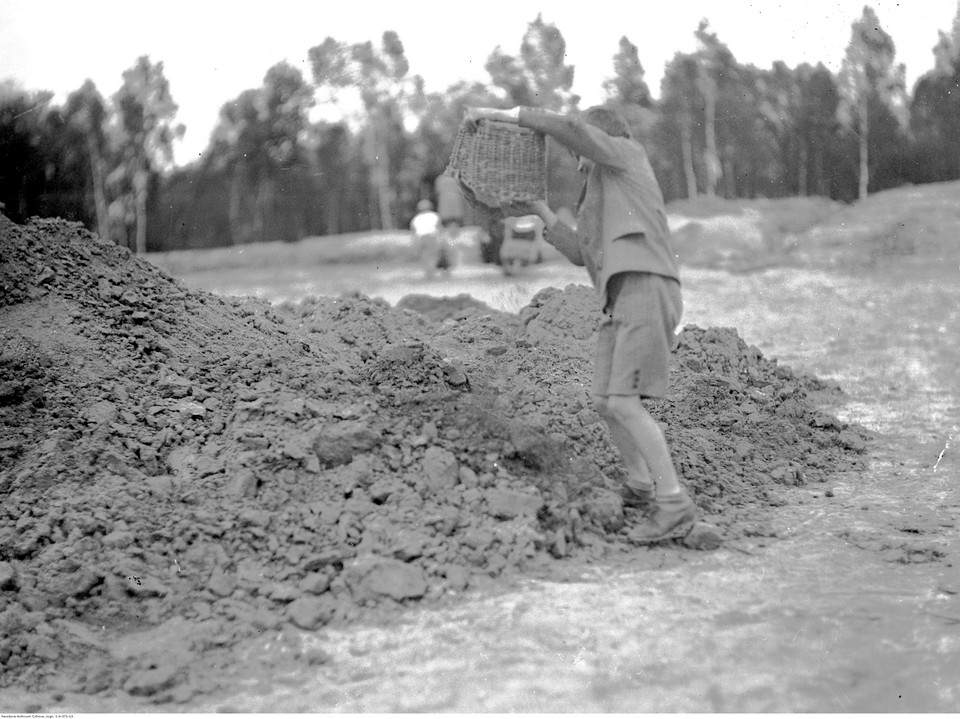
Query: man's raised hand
[[473, 115]]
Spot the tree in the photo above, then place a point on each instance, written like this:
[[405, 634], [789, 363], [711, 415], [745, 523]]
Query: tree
[[439, 116], [627, 90], [678, 111], [191, 210], [379, 75], [627, 84], [144, 133], [43, 168], [86, 112], [259, 144], [778, 100], [816, 125], [934, 110], [237, 150], [340, 179], [947, 50], [20, 138], [753, 128], [869, 80], [285, 102], [716, 71], [539, 76]]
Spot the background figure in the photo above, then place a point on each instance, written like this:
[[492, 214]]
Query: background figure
[[450, 209], [449, 202], [426, 236]]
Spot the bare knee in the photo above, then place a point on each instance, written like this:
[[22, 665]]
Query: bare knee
[[616, 408]]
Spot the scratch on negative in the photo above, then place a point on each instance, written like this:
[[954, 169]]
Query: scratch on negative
[[26, 112], [942, 452]]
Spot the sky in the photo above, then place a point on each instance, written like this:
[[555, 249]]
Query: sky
[[212, 50]]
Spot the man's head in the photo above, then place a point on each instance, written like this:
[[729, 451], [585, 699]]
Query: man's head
[[424, 206], [608, 120]]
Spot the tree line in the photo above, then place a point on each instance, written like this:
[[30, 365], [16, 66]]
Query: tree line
[[719, 128]]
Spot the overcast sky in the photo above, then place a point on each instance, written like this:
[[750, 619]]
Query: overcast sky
[[213, 50]]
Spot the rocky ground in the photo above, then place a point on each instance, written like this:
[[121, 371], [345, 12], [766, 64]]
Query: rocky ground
[[222, 467]]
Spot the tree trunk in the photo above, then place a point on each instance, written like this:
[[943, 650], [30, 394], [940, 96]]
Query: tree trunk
[[710, 152], [378, 164], [140, 181], [371, 158], [729, 177], [99, 193], [686, 147], [864, 150], [802, 167], [385, 192], [260, 211], [823, 187], [236, 231], [372, 200], [331, 212], [331, 203]]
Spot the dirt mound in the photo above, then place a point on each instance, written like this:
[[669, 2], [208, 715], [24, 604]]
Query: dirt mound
[[439, 309], [199, 470]]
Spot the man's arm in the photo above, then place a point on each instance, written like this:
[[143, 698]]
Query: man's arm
[[572, 132], [557, 233], [576, 135], [472, 115]]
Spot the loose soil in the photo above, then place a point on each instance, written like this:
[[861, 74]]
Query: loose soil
[[182, 473]]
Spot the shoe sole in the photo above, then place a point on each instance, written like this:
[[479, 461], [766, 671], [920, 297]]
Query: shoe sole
[[678, 532]]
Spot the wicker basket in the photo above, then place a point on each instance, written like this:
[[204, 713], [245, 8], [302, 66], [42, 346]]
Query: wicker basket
[[499, 166]]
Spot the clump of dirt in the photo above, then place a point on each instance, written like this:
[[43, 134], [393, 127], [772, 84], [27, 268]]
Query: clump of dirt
[[199, 470], [439, 309]]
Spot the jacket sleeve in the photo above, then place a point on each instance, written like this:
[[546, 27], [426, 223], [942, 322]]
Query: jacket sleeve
[[576, 135], [565, 240]]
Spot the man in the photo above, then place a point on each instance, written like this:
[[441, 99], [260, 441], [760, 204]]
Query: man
[[623, 239]]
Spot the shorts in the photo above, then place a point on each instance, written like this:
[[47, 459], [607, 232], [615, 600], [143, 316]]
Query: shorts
[[637, 335]]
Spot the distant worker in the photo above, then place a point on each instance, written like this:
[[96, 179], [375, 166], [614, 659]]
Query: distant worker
[[425, 226]]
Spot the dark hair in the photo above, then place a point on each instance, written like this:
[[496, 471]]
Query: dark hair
[[608, 120]]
